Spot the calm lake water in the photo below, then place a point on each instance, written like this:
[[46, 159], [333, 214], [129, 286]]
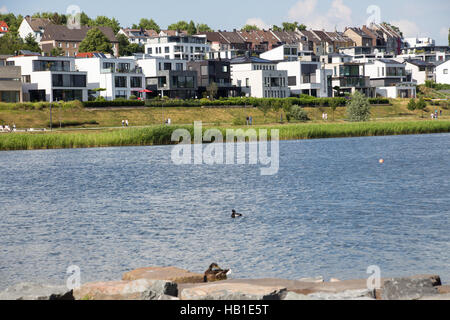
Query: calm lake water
[[332, 210]]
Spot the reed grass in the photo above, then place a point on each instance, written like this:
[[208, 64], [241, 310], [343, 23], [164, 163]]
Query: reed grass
[[161, 135]]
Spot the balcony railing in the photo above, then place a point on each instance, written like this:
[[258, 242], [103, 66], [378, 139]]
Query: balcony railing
[[117, 70]]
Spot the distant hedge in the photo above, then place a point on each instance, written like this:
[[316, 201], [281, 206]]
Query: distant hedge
[[379, 101], [114, 103], [248, 101]]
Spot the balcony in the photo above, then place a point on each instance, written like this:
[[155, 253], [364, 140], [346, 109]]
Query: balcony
[[118, 70]]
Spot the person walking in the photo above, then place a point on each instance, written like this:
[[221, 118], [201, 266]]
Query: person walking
[[126, 123], [123, 123]]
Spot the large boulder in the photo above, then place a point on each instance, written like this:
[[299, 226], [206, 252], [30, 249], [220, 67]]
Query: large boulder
[[142, 289], [35, 291], [361, 294], [173, 274], [408, 288], [233, 291]]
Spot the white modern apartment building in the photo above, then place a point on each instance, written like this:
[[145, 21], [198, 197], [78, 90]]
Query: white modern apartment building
[[443, 72], [120, 77], [390, 79], [418, 42], [420, 70], [259, 78], [181, 47], [51, 78], [307, 78]]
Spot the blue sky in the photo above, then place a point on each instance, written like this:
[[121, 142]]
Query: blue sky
[[424, 18]]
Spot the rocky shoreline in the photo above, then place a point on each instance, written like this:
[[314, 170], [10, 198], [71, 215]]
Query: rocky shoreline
[[171, 283]]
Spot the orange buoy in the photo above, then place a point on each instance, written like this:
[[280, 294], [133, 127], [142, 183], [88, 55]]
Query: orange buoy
[[381, 161]]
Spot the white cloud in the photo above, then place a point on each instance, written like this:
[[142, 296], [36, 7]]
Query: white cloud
[[3, 10], [338, 15], [410, 29], [257, 22]]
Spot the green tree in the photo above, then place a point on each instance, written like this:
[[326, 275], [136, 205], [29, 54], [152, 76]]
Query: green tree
[[212, 90], [54, 17], [147, 24], [85, 20], [288, 26], [276, 28], [56, 52], [202, 27], [333, 105], [10, 43], [12, 21], [102, 21], [421, 105], [249, 28], [31, 44], [179, 26], [191, 29], [126, 48], [449, 36], [412, 105], [358, 108], [96, 41]]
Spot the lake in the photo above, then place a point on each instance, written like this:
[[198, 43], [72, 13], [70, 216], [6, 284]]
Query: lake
[[332, 210]]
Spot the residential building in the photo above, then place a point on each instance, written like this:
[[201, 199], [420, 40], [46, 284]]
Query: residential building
[[168, 77], [393, 40], [259, 78], [390, 79], [366, 54], [347, 76], [10, 81], [33, 26], [359, 37], [138, 36], [378, 40], [419, 42], [4, 29], [224, 45], [292, 38], [57, 36], [179, 47], [51, 78], [307, 78], [443, 72], [339, 40], [314, 42], [286, 52], [214, 71], [121, 78], [433, 54], [421, 71]]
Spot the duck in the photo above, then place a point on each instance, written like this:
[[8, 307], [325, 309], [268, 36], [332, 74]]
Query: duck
[[234, 214], [215, 273]]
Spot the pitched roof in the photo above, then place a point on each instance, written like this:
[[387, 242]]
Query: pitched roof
[[419, 63], [252, 59], [232, 37], [37, 24], [63, 33], [359, 32], [141, 33], [310, 36], [214, 37], [289, 37], [322, 36]]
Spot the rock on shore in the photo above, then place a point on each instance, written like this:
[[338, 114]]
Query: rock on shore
[[173, 274], [142, 289], [35, 291]]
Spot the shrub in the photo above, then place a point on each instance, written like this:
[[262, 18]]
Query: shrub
[[298, 113], [412, 105], [358, 108], [114, 103]]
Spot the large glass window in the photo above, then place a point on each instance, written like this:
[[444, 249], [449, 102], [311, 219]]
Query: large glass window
[[136, 82], [68, 80], [67, 95], [43, 65], [123, 67], [9, 96], [121, 82]]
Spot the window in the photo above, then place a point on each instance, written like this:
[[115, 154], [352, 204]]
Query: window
[[121, 94], [67, 95], [247, 82], [67, 45], [179, 67], [292, 81], [204, 70], [166, 49], [123, 67], [225, 69], [150, 50], [69, 80], [136, 82], [445, 71], [74, 45], [121, 82], [26, 79], [42, 65], [167, 66]]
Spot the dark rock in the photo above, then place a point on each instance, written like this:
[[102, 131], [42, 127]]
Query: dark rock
[[408, 288]]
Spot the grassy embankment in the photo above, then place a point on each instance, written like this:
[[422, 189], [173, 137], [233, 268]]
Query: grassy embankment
[[158, 135], [112, 117]]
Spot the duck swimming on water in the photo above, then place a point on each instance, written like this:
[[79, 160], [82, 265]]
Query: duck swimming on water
[[234, 214]]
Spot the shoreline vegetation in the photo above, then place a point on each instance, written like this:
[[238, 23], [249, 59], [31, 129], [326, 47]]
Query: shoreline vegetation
[[161, 135]]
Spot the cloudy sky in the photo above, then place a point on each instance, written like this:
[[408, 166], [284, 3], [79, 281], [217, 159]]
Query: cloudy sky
[[414, 17]]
